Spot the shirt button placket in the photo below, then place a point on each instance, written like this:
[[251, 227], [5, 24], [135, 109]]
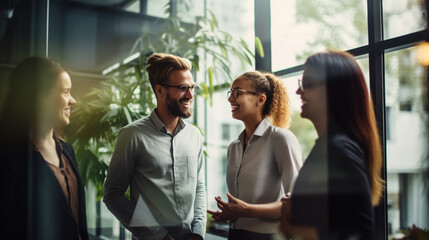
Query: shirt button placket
[[176, 177]]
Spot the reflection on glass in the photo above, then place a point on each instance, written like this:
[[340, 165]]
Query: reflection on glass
[[301, 127], [406, 142], [300, 28], [402, 17], [220, 129]]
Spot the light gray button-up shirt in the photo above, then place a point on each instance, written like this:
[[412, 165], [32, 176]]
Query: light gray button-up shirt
[[263, 172], [166, 171]]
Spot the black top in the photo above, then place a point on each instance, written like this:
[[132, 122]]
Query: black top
[[33, 205], [332, 191]]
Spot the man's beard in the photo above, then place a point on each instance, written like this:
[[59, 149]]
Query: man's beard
[[173, 106]]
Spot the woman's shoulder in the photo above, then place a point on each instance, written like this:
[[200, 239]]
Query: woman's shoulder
[[342, 142], [344, 147], [278, 133]]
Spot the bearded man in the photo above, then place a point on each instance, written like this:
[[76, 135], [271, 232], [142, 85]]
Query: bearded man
[[160, 158]]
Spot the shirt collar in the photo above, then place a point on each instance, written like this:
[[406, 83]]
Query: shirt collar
[[259, 131], [161, 127], [262, 127]]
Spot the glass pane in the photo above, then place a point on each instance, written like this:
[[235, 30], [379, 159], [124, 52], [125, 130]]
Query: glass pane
[[364, 65], [132, 6], [401, 17], [220, 129], [236, 18], [301, 127], [406, 142], [156, 8], [188, 10], [300, 28], [217, 118]]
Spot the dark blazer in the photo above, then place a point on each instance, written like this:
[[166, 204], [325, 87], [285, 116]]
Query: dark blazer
[[34, 205]]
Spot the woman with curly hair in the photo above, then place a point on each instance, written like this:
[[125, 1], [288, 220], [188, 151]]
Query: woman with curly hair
[[339, 183], [263, 161]]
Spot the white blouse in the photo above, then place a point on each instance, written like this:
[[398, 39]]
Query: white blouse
[[264, 172]]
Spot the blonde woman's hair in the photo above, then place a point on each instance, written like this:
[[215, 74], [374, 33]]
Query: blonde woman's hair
[[160, 65], [276, 106]]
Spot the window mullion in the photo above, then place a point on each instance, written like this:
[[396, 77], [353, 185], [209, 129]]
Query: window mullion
[[376, 74]]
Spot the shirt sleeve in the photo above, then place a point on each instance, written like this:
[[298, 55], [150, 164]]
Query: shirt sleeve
[[200, 216], [118, 179], [288, 155]]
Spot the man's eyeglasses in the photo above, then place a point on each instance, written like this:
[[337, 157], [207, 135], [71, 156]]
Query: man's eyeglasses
[[237, 91], [307, 84], [183, 88]]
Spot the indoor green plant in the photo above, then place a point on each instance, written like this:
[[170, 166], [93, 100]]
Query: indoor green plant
[[127, 95]]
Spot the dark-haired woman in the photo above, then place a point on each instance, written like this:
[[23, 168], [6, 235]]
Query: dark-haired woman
[[264, 160], [339, 183], [42, 194]]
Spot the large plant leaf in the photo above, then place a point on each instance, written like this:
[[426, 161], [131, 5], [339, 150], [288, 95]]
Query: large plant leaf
[[258, 46]]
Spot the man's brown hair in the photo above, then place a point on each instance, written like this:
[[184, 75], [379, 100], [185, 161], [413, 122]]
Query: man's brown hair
[[160, 65]]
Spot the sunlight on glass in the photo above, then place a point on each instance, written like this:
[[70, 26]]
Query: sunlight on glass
[[303, 27], [423, 53], [403, 17]]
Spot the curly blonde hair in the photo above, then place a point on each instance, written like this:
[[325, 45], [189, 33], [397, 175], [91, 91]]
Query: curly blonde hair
[[276, 106]]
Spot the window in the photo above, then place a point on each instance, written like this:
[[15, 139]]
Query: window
[[402, 17], [300, 28], [375, 31], [225, 131], [405, 153]]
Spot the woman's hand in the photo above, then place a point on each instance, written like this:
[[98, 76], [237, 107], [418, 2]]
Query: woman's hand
[[219, 216], [289, 230], [286, 206], [285, 217], [236, 208]]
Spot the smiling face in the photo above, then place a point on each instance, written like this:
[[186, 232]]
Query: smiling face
[[314, 102], [61, 100], [246, 105], [178, 102]]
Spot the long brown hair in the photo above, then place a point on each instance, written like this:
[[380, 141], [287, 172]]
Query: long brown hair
[[350, 105], [276, 106], [31, 80]]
